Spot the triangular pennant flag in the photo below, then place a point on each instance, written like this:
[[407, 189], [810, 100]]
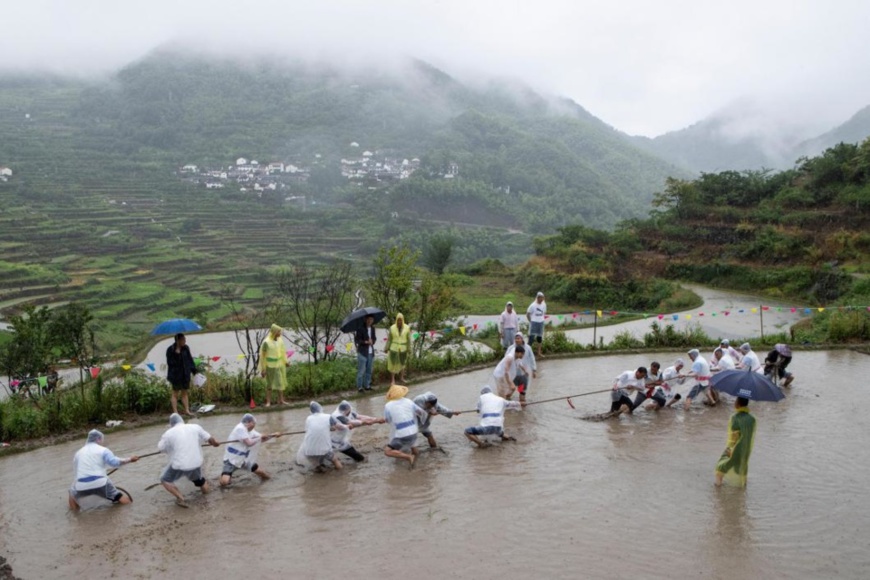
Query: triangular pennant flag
[[462, 330], [474, 326], [215, 358], [348, 347], [546, 317], [240, 356], [560, 317], [431, 334], [197, 361], [765, 307], [289, 353], [754, 310], [151, 366], [700, 314], [252, 402], [821, 309], [613, 312], [126, 367], [645, 315], [675, 317], [741, 311], [726, 313], [43, 381], [574, 315], [807, 310], [688, 317], [14, 383], [329, 348], [599, 314], [713, 314], [661, 316], [415, 336], [95, 372], [311, 350]]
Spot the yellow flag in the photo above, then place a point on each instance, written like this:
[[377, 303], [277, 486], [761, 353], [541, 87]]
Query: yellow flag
[[821, 309], [599, 314], [126, 367], [348, 346], [462, 330], [754, 310], [240, 356], [688, 317]]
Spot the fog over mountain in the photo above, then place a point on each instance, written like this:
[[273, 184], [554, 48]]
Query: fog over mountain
[[644, 68]]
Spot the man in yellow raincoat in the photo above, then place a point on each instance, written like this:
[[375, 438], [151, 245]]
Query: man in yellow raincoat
[[273, 364], [733, 466]]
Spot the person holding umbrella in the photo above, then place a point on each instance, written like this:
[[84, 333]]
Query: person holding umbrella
[[398, 345], [365, 339], [733, 465], [273, 364], [180, 367]]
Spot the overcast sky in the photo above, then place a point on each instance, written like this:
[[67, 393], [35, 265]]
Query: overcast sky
[[645, 67]]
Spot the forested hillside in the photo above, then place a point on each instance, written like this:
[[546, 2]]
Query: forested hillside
[[803, 234]]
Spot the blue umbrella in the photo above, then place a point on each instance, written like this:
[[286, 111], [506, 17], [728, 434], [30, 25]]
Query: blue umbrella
[[747, 384], [176, 325]]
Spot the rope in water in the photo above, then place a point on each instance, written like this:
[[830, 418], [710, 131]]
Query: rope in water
[[565, 397]]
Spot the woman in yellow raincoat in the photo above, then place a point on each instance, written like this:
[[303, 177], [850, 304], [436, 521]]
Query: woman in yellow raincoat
[[733, 466], [273, 364], [398, 345]]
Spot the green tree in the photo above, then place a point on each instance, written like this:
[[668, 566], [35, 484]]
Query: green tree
[[72, 333], [391, 286], [29, 352], [438, 252]]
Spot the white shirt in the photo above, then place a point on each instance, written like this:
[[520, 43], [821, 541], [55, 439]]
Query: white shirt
[[529, 357], [402, 415], [341, 437], [240, 454], [317, 434], [508, 320], [492, 407], [670, 378], [750, 361], [536, 312], [726, 363], [701, 370], [623, 382], [509, 365], [183, 445], [89, 466]]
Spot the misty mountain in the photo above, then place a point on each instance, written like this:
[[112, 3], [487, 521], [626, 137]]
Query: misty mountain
[[855, 130], [523, 159], [745, 137]]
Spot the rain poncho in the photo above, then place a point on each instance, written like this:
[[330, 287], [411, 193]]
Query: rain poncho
[[402, 415], [398, 345], [741, 436], [239, 453], [722, 361], [750, 359], [345, 414], [273, 359], [670, 380], [700, 368], [423, 401], [510, 366], [317, 442], [89, 464], [182, 442], [492, 407]]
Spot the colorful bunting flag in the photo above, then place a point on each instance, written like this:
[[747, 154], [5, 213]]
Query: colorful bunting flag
[[330, 348], [290, 353], [43, 381], [215, 358], [126, 367], [348, 346], [241, 356], [152, 367], [95, 372], [599, 314], [462, 330]]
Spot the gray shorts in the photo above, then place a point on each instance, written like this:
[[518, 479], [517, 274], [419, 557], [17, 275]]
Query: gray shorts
[[171, 475], [325, 459], [403, 444], [490, 430], [229, 468], [696, 390], [536, 329], [108, 491]]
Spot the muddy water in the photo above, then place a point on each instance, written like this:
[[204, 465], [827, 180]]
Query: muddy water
[[632, 497]]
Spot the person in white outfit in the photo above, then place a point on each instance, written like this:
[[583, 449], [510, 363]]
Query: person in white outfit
[[511, 371], [750, 361], [347, 415], [536, 314], [524, 382], [491, 408], [404, 417], [316, 449], [508, 324], [182, 442], [241, 452], [701, 373], [89, 467]]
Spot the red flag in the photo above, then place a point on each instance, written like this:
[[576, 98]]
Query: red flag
[[95, 372], [215, 358], [252, 402], [330, 347]]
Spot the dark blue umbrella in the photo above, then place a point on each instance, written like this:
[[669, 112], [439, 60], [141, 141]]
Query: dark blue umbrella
[[747, 384], [356, 319], [176, 325]]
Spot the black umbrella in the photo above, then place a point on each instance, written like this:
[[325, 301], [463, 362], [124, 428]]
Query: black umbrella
[[356, 319], [747, 384]]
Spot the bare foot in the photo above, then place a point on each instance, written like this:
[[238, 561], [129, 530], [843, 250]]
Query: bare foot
[[181, 503]]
